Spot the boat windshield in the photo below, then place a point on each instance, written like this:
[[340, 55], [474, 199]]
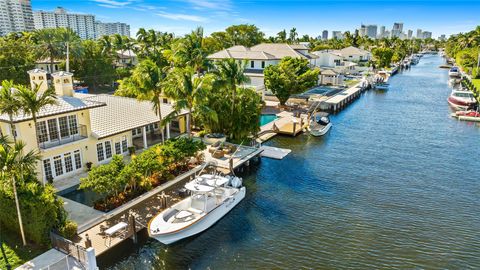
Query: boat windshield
[[464, 95]]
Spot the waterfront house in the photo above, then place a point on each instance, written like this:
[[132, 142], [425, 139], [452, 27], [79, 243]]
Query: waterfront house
[[125, 58], [354, 54], [262, 55], [86, 129], [44, 64]]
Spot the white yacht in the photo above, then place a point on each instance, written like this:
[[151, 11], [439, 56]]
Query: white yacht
[[454, 72], [212, 197]]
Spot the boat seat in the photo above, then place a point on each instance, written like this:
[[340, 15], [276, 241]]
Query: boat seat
[[183, 214], [195, 211]]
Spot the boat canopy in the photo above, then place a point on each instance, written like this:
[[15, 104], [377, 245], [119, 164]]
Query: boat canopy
[[192, 186], [217, 181]]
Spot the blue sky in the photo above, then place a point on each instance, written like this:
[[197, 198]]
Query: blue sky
[[271, 16]]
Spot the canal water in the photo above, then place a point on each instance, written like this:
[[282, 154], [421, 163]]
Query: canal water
[[395, 184]]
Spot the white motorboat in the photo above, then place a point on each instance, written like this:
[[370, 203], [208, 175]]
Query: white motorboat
[[454, 72], [212, 197], [382, 86], [462, 100], [319, 124]]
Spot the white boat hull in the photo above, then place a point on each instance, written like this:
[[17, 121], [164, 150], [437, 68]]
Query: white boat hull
[[321, 132], [453, 74], [206, 222]]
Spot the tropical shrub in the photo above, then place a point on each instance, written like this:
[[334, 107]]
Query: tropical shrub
[[104, 179], [120, 182], [69, 229], [41, 209]]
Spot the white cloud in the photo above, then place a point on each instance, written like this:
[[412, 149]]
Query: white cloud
[[108, 6], [181, 17], [113, 3], [211, 4]]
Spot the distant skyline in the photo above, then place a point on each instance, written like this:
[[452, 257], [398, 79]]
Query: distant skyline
[[307, 16]]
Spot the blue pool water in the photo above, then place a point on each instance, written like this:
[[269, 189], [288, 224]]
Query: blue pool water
[[267, 118], [395, 184]]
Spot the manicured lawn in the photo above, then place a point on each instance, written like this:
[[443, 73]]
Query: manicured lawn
[[16, 253]]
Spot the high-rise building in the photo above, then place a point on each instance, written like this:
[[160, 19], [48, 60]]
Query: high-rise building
[[410, 34], [397, 29], [381, 34], [103, 29], [426, 34], [15, 16], [419, 33], [371, 31], [337, 34], [442, 37], [82, 24], [362, 31], [325, 34]]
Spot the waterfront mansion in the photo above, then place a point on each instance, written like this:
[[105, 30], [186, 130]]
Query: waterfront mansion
[[82, 130]]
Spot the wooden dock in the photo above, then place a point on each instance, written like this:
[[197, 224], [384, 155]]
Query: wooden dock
[[340, 100], [138, 212], [287, 124]]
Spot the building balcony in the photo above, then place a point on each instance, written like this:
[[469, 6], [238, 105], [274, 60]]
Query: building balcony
[[50, 140]]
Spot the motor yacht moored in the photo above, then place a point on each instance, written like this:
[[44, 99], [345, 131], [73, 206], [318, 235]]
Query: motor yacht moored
[[454, 72], [212, 197], [462, 100]]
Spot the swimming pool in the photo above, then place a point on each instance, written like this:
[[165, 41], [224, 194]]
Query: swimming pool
[[267, 118], [83, 196]]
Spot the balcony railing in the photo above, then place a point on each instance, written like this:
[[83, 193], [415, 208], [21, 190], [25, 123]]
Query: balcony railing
[[48, 140]]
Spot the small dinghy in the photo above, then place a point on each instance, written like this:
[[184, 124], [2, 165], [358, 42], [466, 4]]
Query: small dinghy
[[319, 124]]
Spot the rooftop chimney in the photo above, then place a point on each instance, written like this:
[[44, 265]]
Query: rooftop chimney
[[63, 83]]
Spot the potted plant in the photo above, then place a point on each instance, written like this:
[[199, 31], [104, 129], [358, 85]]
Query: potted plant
[[131, 150], [89, 166]]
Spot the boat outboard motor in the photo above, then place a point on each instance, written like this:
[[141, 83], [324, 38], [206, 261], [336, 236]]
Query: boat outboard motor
[[236, 182]]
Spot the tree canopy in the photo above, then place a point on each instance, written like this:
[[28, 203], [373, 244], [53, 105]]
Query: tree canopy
[[290, 76]]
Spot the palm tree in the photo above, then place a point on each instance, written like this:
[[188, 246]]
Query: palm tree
[[33, 100], [9, 104], [189, 92], [49, 46], [106, 44], [70, 43], [293, 36], [230, 73], [14, 165], [190, 52], [147, 78]]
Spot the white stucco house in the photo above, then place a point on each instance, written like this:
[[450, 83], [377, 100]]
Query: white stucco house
[[263, 55], [354, 54]]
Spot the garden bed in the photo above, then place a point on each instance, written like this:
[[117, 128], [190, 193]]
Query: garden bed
[[121, 183]]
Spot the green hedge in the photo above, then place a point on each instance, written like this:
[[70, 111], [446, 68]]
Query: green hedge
[[42, 211]]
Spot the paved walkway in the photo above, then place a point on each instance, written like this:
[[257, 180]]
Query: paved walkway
[[80, 213]]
